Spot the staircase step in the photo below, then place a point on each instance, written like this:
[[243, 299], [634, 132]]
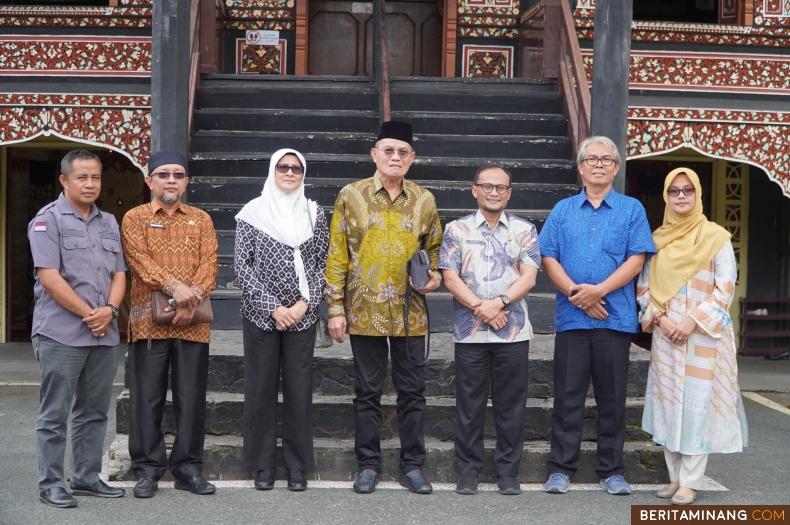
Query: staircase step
[[487, 146], [317, 96], [335, 461], [333, 367], [333, 417], [477, 85], [350, 121], [240, 190], [476, 101], [223, 214], [357, 167]]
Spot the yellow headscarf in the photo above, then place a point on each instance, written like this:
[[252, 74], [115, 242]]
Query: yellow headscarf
[[685, 243]]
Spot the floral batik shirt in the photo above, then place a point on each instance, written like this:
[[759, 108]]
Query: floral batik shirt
[[489, 262], [371, 240]]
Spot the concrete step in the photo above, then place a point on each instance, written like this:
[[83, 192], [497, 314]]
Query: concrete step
[[333, 417], [359, 143], [351, 121], [335, 461], [333, 367], [448, 194], [356, 167]]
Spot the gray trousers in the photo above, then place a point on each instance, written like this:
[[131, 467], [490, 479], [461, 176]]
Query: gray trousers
[[82, 376]]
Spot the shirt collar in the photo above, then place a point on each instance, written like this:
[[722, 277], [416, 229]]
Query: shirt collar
[[480, 220], [155, 207], [65, 206], [610, 199], [378, 184]]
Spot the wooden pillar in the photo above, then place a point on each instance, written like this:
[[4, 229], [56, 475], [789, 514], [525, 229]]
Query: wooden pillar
[[209, 59], [611, 61], [551, 39], [449, 37], [301, 37], [170, 70]]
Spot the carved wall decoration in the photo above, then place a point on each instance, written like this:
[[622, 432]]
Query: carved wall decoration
[[488, 32], [119, 122], [275, 15], [75, 56], [487, 61], [488, 18], [728, 9], [773, 13], [138, 16], [760, 138], [253, 59], [752, 73]]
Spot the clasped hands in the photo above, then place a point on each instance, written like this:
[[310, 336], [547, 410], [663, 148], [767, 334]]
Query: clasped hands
[[491, 311], [589, 297], [677, 332], [98, 320], [285, 317]]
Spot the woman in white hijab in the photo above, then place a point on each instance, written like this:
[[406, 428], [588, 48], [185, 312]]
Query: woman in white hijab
[[281, 247]]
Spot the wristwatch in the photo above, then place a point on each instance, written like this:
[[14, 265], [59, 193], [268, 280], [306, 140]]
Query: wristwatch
[[114, 310], [657, 318], [505, 299]]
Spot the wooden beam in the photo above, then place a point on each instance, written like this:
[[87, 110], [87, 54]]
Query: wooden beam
[[611, 63], [449, 37], [208, 36], [302, 37]]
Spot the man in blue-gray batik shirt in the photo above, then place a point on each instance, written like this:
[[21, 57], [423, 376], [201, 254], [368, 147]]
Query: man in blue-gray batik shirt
[[489, 261], [593, 246]]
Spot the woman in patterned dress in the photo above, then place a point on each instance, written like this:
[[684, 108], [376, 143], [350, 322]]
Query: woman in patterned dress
[[281, 248], [693, 405]]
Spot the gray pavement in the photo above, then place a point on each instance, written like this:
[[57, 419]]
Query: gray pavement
[[760, 475]]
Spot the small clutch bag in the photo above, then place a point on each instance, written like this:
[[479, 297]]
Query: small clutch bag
[[418, 267], [160, 301]]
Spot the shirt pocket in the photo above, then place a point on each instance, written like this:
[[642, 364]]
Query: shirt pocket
[[76, 255], [615, 244], [112, 249]]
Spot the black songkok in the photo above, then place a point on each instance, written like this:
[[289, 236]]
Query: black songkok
[[166, 156], [394, 129]]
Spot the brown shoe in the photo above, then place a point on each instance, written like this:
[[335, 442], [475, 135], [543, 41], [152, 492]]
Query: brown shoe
[[677, 499]]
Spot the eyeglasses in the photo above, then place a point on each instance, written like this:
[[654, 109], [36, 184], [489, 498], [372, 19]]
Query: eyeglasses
[[163, 175], [488, 188], [605, 161], [688, 191], [296, 169], [389, 152]]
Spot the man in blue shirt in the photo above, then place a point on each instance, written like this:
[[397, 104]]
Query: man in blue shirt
[[593, 246]]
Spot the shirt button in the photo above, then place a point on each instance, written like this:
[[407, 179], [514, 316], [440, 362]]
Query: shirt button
[[93, 245], [595, 213], [593, 229], [589, 260], [591, 246]]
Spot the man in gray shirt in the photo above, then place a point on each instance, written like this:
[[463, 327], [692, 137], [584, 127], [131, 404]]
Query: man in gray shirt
[[80, 280]]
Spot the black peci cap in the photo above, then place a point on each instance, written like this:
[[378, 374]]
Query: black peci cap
[[395, 129]]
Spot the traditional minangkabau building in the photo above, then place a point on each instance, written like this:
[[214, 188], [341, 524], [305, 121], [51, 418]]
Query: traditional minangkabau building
[[483, 81]]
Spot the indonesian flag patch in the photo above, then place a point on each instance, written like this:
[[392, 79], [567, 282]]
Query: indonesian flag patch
[[40, 227]]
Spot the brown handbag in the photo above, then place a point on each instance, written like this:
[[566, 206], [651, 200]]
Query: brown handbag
[[160, 301]]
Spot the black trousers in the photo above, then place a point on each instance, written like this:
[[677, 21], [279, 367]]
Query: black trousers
[[578, 355], [505, 366], [265, 351], [370, 367], [188, 365]]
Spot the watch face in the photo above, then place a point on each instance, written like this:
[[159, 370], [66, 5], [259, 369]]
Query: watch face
[[505, 299]]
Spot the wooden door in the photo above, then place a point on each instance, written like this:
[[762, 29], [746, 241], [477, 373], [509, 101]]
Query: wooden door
[[341, 38]]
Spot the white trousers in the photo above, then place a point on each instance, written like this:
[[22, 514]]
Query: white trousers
[[686, 470]]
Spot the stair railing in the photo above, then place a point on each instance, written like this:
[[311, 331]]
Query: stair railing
[[194, 66], [572, 77], [380, 62]]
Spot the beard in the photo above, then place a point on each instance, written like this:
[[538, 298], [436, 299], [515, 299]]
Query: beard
[[169, 199]]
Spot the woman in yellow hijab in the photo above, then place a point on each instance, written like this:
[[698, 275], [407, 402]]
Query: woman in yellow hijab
[[693, 405]]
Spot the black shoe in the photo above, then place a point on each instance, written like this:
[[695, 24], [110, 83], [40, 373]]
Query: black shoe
[[415, 481], [366, 481], [265, 479], [97, 488], [777, 357], [509, 486], [196, 485], [467, 485], [57, 497], [145, 488], [296, 480]]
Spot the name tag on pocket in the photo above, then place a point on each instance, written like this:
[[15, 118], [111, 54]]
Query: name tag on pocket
[[160, 226]]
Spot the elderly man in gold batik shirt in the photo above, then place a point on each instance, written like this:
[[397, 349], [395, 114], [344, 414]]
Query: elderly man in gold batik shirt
[[378, 223]]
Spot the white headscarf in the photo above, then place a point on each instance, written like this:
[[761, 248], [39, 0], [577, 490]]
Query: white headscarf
[[288, 218]]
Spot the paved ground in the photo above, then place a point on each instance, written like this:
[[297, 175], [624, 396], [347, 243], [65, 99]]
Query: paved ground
[[758, 476]]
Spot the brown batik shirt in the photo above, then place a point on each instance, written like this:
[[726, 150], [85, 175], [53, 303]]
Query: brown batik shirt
[[163, 251]]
